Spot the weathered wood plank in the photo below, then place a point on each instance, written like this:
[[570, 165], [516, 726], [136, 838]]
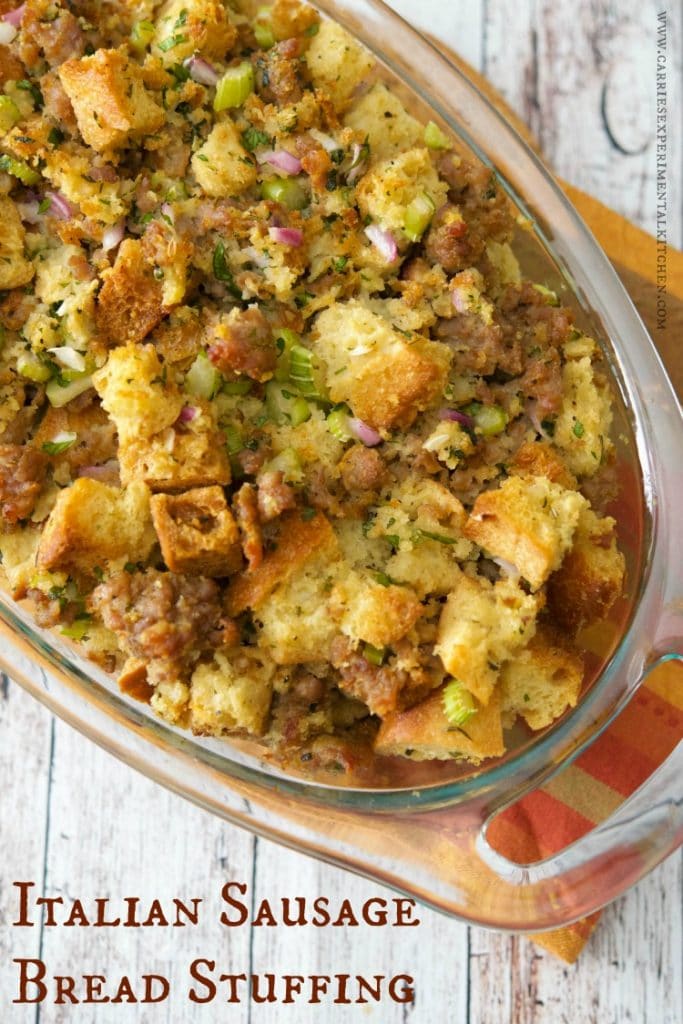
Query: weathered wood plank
[[114, 833], [25, 771], [458, 25], [434, 953]]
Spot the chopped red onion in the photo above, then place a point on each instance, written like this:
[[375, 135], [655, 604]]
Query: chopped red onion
[[533, 414], [281, 159], [113, 236], [456, 417], [104, 173], [508, 568], [383, 241], [14, 17], [167, 211], [29, 212], [201, 71], [59, 206], [108, 472], [287, 236], [69, 357], [187, 414], [364, 432], [358, 164]]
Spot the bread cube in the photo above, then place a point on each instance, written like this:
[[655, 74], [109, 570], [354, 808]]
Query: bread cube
[[481, 626], [186, 27], [387, 379], [381, 116], [170, 701], [529, 522], [299, 540], [182, 456], [538, 458], [93, 524], [336, 62], [232, 694], [133, 680], [390, 186], [541, 682], [367, 611], [135, 394], [222, 166], [424, 733], [18, 558], [591, 577], [112, 106], [131, 300], [197, 532], [295, 624], [68, 168], [15, 269], [582, 427]]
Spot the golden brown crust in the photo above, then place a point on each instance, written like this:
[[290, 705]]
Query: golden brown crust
[[424, 732], [392, 395], [133, 680], [197, 532], [538, 458], [591, 577], [297, 541], [130, 303]]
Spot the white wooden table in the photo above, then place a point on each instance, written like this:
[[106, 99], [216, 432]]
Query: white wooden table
[[80, 824]]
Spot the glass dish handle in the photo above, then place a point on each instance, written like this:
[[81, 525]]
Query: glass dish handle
[[599, 866]]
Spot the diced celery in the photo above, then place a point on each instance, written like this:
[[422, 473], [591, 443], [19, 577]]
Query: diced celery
[[304, 374], [301, 412], [19, 169], [488, 419], [9, 113], [61, 394], [78, 629], [60, 443], [435, 138], [202, 379], [287, 463], [233, 438], [286, 191], [458, 703], [418, 215], [286, 340], [547, 294], [375, 655], [279, 402], [338, 423], [141, 35], [263, 29], [33, 368], [233, 88], [236, 387]]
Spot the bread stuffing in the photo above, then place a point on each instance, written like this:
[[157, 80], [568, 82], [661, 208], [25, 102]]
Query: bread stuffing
[[289, 444]]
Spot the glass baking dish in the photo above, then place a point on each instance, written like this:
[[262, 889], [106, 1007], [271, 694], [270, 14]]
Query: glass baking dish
[[425, 833]]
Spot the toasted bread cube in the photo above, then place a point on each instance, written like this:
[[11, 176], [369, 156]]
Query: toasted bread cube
[[538, 458], [222, 166], [112, 106], [18, 558], [389, 187], [298, 541], [481, 626], [295, 624], [186, 27], [541, 682], [232, 694], [385, 378], [424, 733], [288, 18], [582, 427], [197, 532], [133, 680], [15, 269], [93, 524], [131, 301], [337, 64], [133, 391], [171, 700], [381, 116], [369, 612], [591, 577], [529, 522], [69, 171], [182, 456]]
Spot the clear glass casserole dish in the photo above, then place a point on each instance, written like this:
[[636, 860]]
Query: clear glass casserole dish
[[426, 835]]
